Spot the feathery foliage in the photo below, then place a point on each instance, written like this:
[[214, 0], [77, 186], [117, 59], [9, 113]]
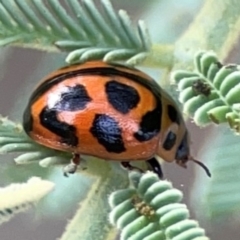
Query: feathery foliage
[[18, 198], [79, 28], [150, 209], [211, 92], [13, 139], [86, 32]]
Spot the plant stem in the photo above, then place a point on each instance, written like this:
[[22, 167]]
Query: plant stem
[[160, 56], [216, 27], [91, 220]]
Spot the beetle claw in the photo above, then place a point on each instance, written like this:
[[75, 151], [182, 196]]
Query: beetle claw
[[156, 167], [71, 168], [129, 167]]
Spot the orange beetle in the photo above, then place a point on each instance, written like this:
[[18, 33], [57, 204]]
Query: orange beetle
[[109, 111]]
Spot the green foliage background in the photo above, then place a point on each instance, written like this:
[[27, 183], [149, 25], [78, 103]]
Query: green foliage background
[[178, 30]]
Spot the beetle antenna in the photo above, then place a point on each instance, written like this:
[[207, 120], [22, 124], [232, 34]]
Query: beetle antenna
[[202, 165]]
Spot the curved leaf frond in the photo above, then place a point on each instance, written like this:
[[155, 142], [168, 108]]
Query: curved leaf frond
[[150, 209], [78, 27], [212, 92], [18, 198], [13, 139]]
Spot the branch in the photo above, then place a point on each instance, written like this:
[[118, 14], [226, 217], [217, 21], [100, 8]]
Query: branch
[[91, 219]]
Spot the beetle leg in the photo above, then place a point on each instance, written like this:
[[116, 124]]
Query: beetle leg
[[129, 167], [156, 167], [71, 168]]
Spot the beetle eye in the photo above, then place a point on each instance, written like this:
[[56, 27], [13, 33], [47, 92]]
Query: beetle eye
[[170, 137], [170, 140], [183, 149]]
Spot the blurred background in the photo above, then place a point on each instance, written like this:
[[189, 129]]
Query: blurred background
[[21, 69]]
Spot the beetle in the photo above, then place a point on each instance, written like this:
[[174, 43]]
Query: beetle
[[110, 111]]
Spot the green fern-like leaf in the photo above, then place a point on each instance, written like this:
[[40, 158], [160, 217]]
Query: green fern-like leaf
[[18, 198], [13, 139], [212, 92], [79, 28], [150, 209]]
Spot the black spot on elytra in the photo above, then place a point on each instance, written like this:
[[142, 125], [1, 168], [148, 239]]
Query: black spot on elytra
[[121, 96], [173, 114], [27, 120], [48, 119], [74, 99], [95, 71], [147, 130], [108, 133], [150, 124], [170, 141]]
